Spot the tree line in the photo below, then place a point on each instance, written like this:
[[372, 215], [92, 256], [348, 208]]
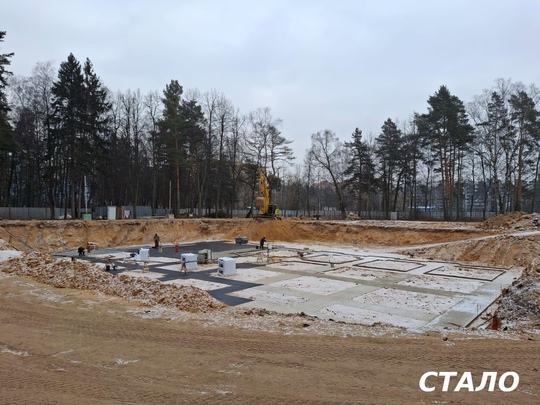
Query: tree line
[[67, 141], [456, 158]]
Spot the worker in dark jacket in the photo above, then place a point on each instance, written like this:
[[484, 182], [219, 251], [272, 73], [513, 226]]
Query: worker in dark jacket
[[263, 241]]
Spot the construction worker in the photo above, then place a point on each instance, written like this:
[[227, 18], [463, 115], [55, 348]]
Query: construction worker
[[183, 267], [263, 241]]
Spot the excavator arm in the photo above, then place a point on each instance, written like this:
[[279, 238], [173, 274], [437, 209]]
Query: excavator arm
[[263, 186], [266, 210]]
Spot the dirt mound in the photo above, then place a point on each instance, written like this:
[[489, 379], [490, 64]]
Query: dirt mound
[[519, 305], [4, 245], [58, 236], [84, 276], [504, 250], [357, 233], [511, 220]]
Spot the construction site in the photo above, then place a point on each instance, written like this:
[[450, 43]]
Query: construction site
[[325, 311]]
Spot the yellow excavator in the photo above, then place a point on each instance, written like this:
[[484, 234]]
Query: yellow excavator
[[266, 210]]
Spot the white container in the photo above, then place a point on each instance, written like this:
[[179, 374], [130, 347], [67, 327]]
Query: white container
[[226, 266], [144, 255], [190, 260], [111, 212]]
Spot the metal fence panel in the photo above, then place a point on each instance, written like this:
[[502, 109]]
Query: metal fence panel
[[26, 213]]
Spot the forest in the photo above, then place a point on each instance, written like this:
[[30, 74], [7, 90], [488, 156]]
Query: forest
[[67, 141]]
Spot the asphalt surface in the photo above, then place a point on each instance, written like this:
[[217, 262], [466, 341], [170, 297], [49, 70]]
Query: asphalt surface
[[218, 249]]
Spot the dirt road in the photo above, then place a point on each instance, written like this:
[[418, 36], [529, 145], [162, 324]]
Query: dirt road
[[62, 346]]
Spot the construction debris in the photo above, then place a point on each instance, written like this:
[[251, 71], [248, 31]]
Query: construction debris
[[87, 276]]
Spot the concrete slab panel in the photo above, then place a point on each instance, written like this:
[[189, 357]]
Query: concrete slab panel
[[295, 265], [253, 275], [340, 312], [270, 297], [358, 273], [408, 300], [394, 265], [442, 283], [331, 258], [202, 284], [468, 272], [314, 285]]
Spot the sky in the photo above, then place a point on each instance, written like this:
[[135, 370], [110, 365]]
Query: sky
[[318, 65]]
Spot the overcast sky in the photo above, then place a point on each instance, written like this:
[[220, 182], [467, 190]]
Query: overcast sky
[[316, 64]]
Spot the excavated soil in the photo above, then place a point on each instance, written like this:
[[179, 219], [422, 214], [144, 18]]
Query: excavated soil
[[55, 236]]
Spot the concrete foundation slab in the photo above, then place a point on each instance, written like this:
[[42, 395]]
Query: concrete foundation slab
[[346, 284]]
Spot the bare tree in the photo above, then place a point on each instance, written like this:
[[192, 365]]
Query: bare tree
[[39, 160], [308, 171], [225, 120], [133, 135], [266, 146], [506, 128], [219, 112], [329, 153], [234, 156], [152, 106]]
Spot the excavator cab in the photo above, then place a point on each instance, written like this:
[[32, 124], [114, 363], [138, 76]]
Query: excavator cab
[[272, 209]]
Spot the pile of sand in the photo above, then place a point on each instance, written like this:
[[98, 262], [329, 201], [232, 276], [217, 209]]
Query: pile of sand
[[4, 245], [519, 305], [86, 276], [501, 251], [511, 220]]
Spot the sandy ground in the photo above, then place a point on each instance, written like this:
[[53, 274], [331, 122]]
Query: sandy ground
[[133, 342]]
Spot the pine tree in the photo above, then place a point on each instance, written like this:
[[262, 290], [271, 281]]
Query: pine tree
[[361, 170], [171, 133], [496, 137], [447, 131], [68, 119], [95, 141], [79, 111], [198, 160], [526, 121], [390, 145]]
